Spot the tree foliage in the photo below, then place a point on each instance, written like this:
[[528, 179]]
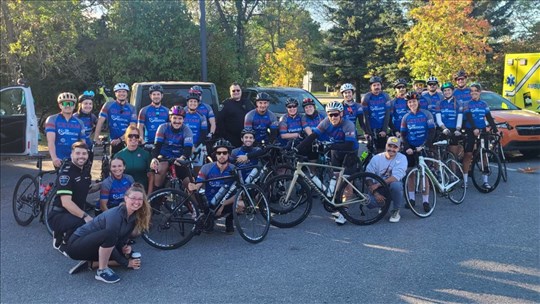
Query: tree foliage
[[285, 67]]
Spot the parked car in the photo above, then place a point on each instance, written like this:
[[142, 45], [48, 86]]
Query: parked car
[[523, 133], [278, 97]]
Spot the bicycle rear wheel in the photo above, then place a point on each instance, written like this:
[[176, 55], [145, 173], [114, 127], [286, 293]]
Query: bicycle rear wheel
[[458, 191], [174, 219], [362, 208], [47, 209], [419, 184], [25, 198], [486, 171], [291, 212], [253, 218], [504, 171]]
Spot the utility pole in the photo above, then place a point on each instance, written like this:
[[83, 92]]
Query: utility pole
[[204, 67]]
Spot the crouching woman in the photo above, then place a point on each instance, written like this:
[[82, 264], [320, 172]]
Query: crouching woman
[[104, 238]]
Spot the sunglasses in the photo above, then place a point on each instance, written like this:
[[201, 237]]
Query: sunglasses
[[291, 107], [333, 114], [235, 90], [222, 152], [67, 103], [136, 136], [460, 79], [419, 85], [400, 87], [432, 84]]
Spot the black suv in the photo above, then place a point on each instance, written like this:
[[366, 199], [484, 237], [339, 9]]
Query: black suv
[[278, 96]]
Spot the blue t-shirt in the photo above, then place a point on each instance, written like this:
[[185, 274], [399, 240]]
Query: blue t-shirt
[[432, 100], [479, 110], [449, 110], [398, 109], [211, 171], [417, 126], [174, 141], [67, 133], [152, 117], [197, 123], [119, 117], [89, 120], [345, 131], [113, 189], [288, 124], [375, 107], [260, 123]]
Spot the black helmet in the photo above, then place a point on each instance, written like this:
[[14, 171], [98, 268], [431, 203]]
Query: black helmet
[[192, 95], [222, 143], [400, 81], [177, 110], [154, 88], [262, 96], [459, 74], [308, 102], [412, 95], [248, 131], [291, 101], [375, 79]]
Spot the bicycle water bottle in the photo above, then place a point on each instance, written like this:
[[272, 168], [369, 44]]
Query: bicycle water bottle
[[318, 182], [47, 189], [252, 175], [364, 155], [42, 192], [331, 187]]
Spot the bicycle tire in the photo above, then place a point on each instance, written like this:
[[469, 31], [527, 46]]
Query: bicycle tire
[[23, 203], [457, 194], [47, 208], [292, 212], [504, 171], [276, 170], [492, 170], [253, 221], [418, 207], [174, 219], [366, 211]]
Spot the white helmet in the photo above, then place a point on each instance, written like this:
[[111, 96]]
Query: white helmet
[[347, 86], [121, 86], [334, 106], [432, 79]]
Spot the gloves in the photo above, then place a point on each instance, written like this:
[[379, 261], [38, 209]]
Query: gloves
[[457, 133], [446, 131]]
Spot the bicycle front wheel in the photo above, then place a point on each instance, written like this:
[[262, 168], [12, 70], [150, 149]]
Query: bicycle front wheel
[[457, 193], [486, 171], [173, 221], [504, 171], [420, 193], [251, 213], [361, 207], [25, 198], [286, 213]]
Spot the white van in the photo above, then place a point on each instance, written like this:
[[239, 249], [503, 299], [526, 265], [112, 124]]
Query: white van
[[18, 122]]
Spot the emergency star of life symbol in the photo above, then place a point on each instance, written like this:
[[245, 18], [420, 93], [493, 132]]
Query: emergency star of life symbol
[[511, 80]]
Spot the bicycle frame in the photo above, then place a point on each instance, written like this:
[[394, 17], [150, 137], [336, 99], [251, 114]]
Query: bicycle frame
[[442, 186]]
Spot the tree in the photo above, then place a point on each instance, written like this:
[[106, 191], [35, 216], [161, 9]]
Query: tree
[[446, 39], [285, 67]]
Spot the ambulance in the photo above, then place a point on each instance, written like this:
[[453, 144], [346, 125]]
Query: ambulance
[[521, 83]]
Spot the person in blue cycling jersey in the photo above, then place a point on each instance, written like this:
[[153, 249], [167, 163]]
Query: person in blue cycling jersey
[[63, 129], [261, 120], [432, 95], [195, 120], [311, 117], [114, 187], [205, 110], [376, 106], [246, 155], [153, 115], [352, 110], [344, 150], [417, 131], [84, 113], [476, 112], [449, 117], [290, 125], [462, 92], [119, 114], [398, 106], [419, 85], [173, 140], [220, 168]]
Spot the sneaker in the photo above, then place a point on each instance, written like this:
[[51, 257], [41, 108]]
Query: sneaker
[[82, 265], [464, 186], [107, 275], [229, 226], [340, 220], [62, 250], [427, 208], [486, 186], [394, 217], [413, 203], [336, 214], [57, 240]]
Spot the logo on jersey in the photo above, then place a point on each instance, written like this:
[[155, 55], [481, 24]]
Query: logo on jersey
[[63, 180]]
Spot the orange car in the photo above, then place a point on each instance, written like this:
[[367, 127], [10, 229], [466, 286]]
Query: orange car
[[523, 133]]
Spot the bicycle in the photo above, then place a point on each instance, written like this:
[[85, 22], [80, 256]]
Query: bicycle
[[434, 175], [367, 155], [290, 196], [495, 145], [177, 216], [33, 199], [105, 158], [486, 166]]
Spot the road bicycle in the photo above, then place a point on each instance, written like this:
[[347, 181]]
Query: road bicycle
[[179, 215], [495, 145], [486, 168], [290, 196], [432, 175]]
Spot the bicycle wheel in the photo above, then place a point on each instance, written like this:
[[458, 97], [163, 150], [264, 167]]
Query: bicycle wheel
[[252, 220], [47, 208], [25, 198], [486, 171], [276, 170], [291, 212], [362, 208], [420, 184], [174, 219], [504, 171], [457, 193]]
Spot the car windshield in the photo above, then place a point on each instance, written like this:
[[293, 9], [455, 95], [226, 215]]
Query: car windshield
[[496, 102], [175, 95], [279, 97]]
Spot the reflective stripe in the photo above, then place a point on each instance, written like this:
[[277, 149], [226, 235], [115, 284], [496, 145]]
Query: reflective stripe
[[64, 192]]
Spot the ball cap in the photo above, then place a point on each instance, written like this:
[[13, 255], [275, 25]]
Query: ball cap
[[393, 141]]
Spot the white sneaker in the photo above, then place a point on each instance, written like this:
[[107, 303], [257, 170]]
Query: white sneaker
[[336, 214], [395, 217], [340, 220]]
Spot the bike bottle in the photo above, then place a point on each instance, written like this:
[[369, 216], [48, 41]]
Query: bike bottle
[[219, 195], [47, 189], [204, 200], [318, 182], [331, 187], [42, 192], [251, 175], [364, 155]]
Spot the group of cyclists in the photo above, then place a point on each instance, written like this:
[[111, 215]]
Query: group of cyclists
[[406, 123]]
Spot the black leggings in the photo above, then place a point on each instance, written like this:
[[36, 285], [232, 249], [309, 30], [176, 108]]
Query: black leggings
[[86, 247], [64, 222]]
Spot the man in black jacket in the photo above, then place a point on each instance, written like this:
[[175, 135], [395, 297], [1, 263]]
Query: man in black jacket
[[231, 117]]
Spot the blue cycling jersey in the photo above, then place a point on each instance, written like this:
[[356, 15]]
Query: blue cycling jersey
[[205, 110], [375, 107], [312, 121], [432, 100], [243, 151], [198, 124], [89, 120], [462, 95], [152, 117], [174, 140], [345, 131], [210, 171], [449, 110], [423, 103], [67, 133], [416, 125], [352, 111], [398, 109], [260, 123], [288, 124], [119, 117], [479, 109], [113, 189]]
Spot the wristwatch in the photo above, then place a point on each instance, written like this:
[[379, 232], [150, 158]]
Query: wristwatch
[[84, 216]]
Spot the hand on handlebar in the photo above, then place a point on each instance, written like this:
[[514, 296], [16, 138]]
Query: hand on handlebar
[[446, 131]]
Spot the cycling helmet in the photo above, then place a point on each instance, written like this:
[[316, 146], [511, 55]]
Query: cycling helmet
[[412, 95], [291, 101], [459, 74], [419, 81], [222, 143], [432, 79], [248, 131], [262, 96], [177, 110], [154, 88], [375, 79], [193, 96], [196, 89], [87, 95], [476, 85], [400, 81], [66, 96], [121, 86], [447, 85], [308, 102], [334, 106], [347, 86]]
